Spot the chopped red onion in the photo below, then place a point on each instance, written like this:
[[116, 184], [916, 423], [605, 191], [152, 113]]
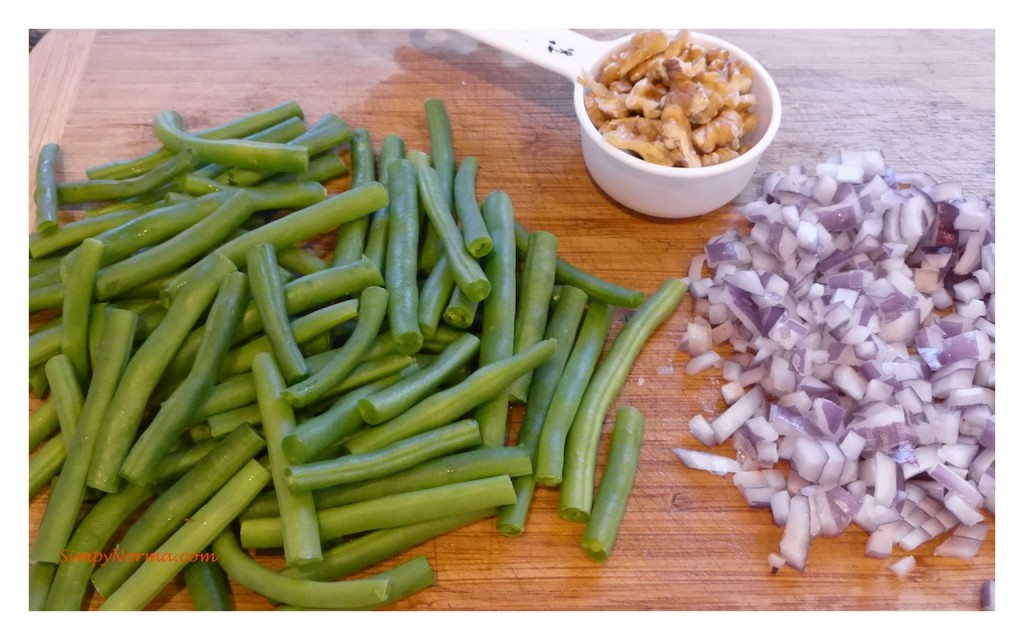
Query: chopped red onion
[[733, 417], [958, 547], [711, 462], [732, 391], [904, 566], [988, 595], [879, 544], [796, 536], [701, 362], [859, 310]]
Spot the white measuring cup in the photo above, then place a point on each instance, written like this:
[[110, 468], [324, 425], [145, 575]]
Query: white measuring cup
[[644, 187]]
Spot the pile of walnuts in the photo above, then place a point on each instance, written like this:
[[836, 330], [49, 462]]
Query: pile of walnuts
[[673, 102]]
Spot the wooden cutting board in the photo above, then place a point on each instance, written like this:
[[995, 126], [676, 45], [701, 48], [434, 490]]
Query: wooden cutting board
[[689, 542]]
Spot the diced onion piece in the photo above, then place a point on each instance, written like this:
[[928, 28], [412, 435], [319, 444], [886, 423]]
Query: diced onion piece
[[704, 361], [988, 595], [779, 504], [958, 547], [701, 429], [743, 409], [963, 511], [879, 544], [904, 566], [704, 461], [796, 537]]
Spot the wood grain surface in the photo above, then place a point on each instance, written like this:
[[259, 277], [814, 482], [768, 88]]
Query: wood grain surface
[[688, 542]]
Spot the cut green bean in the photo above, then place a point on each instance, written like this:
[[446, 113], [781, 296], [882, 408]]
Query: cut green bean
[[225, 422], [65, 501], [468, 274], [576, 495], [180, 461], [316, 435], [457, 467], [391, 148], [169, 128], [300, 260], [176, 413], [283, 131], [38, 385], [143, 373], [535, 291], [70, 234], [240, 128], [238, 390], [295, 194], [392, 401], [44, 298], [474, 231], [579, 368], [300, 534], [442, 149], [252, 575], [299, 225], [68, 399], [106, 189], [175, 252], [435, 293], [43, 265], [268, 293], [461, 311], [40, 578], [597, 288], [79, 270], [322, 168], [207, 585], [563, 326], [497, 334], [45, 279], [373, 302], [78, 273], [390, 511], [442, 159], [325, 134], [352, 556], [304, 328], [43, 345], [300, 295], [177, 504], [395, 457], [46, 196], [42, 423], [351, 240], [45, 464], [67, 393], [155, 226], [451, 403], [87, 544], [189, 540], [407, 579], [143, 204], [401, 260], [616, 484]]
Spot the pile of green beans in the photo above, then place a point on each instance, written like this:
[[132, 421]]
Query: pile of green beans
[[209, 378]]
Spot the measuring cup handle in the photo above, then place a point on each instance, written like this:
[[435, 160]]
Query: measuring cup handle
[[565, 52]]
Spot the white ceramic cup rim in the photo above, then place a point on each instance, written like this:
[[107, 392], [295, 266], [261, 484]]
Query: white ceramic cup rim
[[752, 155]]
